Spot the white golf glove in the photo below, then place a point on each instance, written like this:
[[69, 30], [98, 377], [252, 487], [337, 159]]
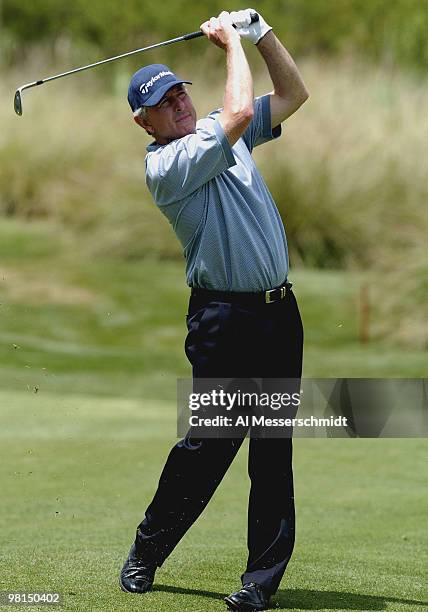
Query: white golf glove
[[251, 31]]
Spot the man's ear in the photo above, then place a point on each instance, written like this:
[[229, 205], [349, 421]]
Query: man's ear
[[145, 125]]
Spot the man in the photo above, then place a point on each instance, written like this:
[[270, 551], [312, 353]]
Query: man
[[243, 319]]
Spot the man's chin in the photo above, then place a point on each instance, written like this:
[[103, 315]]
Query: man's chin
[[185, 130]]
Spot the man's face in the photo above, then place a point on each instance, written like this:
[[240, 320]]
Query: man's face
[[173, 117]]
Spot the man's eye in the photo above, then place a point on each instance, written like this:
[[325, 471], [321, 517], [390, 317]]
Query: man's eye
[[165, 103]]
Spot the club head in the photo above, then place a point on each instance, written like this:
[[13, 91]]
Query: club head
[[17, 102]]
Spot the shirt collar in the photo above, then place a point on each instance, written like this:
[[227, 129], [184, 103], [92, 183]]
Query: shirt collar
[[153, 146]]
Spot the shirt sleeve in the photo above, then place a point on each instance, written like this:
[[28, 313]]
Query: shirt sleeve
[[181, 167], [260, 131]]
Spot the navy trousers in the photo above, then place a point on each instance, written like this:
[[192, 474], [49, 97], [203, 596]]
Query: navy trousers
[[234, 340]]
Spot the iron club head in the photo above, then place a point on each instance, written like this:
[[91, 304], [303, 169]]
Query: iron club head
[[17, 102]]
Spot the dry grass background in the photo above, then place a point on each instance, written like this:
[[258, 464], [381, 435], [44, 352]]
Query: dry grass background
[[349, 175]]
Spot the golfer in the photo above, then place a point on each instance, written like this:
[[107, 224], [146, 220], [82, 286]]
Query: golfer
[[243, 320]]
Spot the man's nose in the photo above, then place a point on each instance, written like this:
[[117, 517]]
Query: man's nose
[[178, 104]]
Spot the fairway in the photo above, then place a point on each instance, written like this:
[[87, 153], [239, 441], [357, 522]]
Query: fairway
[[89, 363], [77, 473]]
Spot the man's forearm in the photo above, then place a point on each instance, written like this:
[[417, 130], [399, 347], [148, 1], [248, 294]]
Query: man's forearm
[[286, 79], [238, 95]]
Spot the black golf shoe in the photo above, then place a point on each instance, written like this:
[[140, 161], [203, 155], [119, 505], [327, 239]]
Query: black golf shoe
[[250, 597], [137, 575]]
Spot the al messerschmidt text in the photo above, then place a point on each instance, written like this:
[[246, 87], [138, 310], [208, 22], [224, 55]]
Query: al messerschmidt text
[[253, 420]]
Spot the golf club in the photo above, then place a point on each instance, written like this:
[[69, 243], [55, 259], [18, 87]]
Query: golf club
[[17, 102]]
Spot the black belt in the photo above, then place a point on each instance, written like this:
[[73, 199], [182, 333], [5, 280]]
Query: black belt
[[264, 297]]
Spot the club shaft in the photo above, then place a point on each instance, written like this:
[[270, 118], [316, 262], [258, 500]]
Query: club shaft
[[112, 59], [189, 36]]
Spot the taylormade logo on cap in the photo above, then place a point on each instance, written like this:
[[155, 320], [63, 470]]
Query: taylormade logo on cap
[[149, 84], [144, 87]]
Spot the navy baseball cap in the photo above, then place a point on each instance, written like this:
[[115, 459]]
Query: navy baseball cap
[[149, 84]]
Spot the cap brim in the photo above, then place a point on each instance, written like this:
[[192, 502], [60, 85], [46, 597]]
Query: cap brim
[[159, 93]]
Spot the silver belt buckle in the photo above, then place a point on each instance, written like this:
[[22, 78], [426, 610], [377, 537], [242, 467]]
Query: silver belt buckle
[[282, 294], [267, 296]]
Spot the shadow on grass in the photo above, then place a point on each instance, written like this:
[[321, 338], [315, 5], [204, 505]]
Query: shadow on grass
[[165, 588], [305, 599]]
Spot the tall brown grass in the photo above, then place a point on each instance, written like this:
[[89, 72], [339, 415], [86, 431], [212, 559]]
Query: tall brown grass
[[349, 173]]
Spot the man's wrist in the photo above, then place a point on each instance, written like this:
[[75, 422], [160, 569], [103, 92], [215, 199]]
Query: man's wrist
[[233, 43], [265, 39]]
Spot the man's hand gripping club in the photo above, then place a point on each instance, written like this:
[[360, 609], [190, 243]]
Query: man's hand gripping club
[[220, 31], [248, 29]]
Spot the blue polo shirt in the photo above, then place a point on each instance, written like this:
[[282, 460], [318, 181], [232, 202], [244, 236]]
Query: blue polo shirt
[[219, 205]]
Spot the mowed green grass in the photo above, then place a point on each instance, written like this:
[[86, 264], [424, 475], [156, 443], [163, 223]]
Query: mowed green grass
[[90, 352], [78, 472]]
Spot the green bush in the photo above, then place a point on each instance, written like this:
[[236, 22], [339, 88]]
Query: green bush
[[391, 33]]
